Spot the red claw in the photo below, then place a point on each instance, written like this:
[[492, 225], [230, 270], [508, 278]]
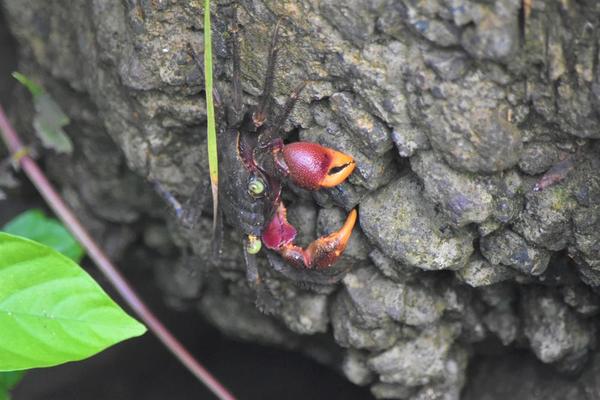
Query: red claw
[[321, 253], [312, 166]]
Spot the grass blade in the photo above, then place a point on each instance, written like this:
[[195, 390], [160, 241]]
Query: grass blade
[[213, 160]]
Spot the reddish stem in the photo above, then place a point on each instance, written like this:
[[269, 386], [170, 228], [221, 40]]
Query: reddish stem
[[59, 207]]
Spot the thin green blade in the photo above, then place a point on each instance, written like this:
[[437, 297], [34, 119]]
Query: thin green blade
[[213, 160]]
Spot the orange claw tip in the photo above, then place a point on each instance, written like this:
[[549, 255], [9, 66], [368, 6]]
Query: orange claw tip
[[341, 168], [325, 251], [312, 166]]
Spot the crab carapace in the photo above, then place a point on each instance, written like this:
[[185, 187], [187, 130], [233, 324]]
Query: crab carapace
[[254, 165]]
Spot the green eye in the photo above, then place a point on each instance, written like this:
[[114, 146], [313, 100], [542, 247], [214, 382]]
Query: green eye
[[253, 244], [256, 187]]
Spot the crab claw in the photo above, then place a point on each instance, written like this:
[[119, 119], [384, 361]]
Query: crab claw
[[312, 166], [321, 253]]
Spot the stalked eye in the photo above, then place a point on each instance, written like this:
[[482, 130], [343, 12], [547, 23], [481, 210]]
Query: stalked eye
[[256, 187], [253, 244]]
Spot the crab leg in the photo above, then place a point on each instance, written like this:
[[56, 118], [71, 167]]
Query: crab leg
[[321, 253], [260, 115], [235, 48]]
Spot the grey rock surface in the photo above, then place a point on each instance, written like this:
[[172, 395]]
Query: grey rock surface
[[454, 110]]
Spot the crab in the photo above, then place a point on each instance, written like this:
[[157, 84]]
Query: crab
[[255, 164]]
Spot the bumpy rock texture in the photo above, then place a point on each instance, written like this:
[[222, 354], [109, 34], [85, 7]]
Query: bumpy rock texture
[[453, 110]]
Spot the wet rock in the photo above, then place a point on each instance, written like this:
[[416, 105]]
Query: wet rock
[[508, 248], [405, 225], [506, 189], [454, 378], [462, 306], [504, 324], [303, 216], [496, 30], [376, 71], [462, 197], [474, 136], [546, 218], [241, 319], [391, 391], [416, 362], [370, 133], [581, 299], [555, 332], [538, 157], [438, 32], [355, 368], [181, 282], [586, 228], [345, 195], [390, 268], [448, 65], [304, 313], [409, 139], [377, 297], [353, 329], [479, 272], [494, 378], [352, 19]]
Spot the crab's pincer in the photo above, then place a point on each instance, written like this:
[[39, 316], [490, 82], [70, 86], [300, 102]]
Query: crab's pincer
[[312, 166], [321, 253]]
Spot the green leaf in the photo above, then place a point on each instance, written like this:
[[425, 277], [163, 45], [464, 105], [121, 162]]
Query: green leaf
[[8, 380], [34, 225], [51, 310], [33, 88], [49, 118], [48, 123]]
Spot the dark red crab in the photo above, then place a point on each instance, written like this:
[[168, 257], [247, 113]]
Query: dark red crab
[[254, 165]]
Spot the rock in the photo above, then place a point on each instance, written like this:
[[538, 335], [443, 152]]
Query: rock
[[582, 299], [538, 157], [374, 296], [504, 324], [304, 313], [355, 368], [391, 391], [546, 218], [409, 139], [479, 272], [353, 329], [495, 379], [370, 133], [405, 225], [508, 248], [390, 268], [462, 197], [471, 136], [556, 334], [496, 32], [448, 65], [415, 362]]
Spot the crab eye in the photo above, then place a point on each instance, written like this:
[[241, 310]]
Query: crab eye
[[253, 244], [256, 187]]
